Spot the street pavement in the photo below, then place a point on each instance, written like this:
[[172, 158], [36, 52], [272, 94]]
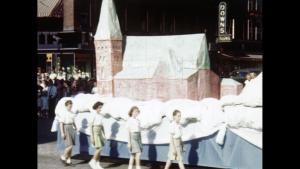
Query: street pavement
[[48, 157]]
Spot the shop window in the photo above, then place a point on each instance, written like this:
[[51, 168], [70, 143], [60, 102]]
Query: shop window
[[50, 39], [42, 39]]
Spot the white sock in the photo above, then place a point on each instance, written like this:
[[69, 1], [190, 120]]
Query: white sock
[[69, 160], [63, 157], [130, 167], [98, 164], [138, 167]]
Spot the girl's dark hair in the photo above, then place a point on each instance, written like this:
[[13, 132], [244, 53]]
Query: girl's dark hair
[[97, 104], [68, 102], [131, 110], [175, 112]]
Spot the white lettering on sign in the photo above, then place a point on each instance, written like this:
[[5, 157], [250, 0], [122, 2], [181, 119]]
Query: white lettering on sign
[[222, 18], [222, 30]]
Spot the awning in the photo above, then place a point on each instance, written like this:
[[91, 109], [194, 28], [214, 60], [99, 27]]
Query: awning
[[248, 57], [50, 8]]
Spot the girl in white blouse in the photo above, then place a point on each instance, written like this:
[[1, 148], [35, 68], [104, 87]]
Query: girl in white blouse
[[134, 137], [176, 146], [68, 132], [97, 135]]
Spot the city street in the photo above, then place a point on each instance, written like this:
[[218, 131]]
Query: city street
[[48, 157]]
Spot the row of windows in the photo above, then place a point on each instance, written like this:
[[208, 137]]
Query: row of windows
[[46, 38]]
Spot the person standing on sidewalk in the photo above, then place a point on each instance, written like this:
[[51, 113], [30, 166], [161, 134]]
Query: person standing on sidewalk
[[52, 94]]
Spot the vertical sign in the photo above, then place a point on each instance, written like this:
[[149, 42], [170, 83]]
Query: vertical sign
[[222, 18], [49, 57], [222, 33]]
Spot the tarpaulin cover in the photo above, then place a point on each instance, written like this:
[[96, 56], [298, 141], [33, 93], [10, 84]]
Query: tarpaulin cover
[[234, 153]]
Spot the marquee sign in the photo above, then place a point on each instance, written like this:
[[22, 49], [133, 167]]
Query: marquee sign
[[222, 33]]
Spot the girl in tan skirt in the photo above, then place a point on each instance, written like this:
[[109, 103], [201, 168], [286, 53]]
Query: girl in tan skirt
[[68, 132], [97, 135], [175, 147], [134, 137]]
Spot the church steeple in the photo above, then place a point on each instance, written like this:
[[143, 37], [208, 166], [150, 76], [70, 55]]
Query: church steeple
[[108, 48], [108, 25]]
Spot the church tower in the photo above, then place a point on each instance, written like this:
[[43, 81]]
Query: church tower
[[108, 46]]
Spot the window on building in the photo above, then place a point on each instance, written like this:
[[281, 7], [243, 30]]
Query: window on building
[[84, 20], [50, 39], [41, 38]]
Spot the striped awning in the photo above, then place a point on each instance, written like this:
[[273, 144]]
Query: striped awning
[[49, 8]]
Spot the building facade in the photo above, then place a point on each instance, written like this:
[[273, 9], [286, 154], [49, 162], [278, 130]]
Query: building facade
[[66, 29]]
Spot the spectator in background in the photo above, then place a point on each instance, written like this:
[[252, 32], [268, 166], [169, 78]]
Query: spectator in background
[[90, 83], [74, 86], [52, 95], [44, 85], [94, 89], [248, 78], [60, 86], [252, 75], [66, 89], [39, 94], [44, 104], [80, 87]]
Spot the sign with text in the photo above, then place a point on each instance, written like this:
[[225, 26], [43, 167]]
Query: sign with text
[[49, 57], [222, 33]]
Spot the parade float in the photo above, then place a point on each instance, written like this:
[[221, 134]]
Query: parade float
[[160, 74]]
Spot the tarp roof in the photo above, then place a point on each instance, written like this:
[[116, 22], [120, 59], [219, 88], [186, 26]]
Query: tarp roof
[[108, 26], [172, 57]]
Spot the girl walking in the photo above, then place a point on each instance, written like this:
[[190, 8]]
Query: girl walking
[[134, 137], [97, 135], [176, 146], [68, 132]]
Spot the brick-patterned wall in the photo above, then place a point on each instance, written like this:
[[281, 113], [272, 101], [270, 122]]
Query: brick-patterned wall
[[68, 10], [108, 63], [159, 88]]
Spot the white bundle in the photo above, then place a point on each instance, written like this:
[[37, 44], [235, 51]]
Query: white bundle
[[228, 100], [211, 112], [151, 112], [221, 135], [81, 102], [189, 109], [245, 117], [251, 95], [118, 107], [96, 98]]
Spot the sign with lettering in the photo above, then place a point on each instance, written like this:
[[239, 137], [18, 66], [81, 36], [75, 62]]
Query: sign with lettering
[[222, 33], [49, 57]]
